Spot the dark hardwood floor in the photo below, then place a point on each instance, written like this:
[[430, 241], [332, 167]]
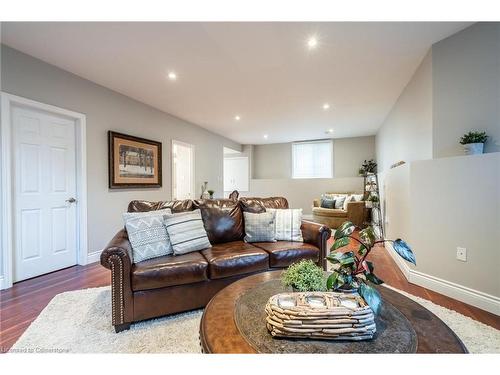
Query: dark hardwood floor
[[21, 304]]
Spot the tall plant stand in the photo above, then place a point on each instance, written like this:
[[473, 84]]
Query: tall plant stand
[[372, 195]]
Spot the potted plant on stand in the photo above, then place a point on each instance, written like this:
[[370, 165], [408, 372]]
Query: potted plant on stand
[[473, 142], [351, 271], [368, 167]]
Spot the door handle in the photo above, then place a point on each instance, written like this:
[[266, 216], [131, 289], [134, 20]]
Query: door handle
[[71, 200]]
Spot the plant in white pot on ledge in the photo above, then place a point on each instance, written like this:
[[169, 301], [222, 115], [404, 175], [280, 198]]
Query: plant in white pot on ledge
[[473, 142]]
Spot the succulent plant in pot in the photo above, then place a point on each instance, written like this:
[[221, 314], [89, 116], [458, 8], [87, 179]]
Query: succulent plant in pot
[[304, 276], [351, 270], [211, 192]]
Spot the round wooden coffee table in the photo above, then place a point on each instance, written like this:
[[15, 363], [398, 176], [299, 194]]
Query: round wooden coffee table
[[219, 332]]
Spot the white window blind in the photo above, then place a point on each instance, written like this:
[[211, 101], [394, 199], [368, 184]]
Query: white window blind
[[312, 159]]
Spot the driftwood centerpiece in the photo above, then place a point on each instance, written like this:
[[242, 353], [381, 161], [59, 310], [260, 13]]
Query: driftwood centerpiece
[[320, 315]]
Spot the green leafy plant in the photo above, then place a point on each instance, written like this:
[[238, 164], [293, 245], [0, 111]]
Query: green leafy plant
[[368, 166], [351, 270], [211, 192], [473, 137], [304, 276]]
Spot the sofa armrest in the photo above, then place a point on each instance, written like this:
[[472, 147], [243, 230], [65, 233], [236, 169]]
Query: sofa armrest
[[317, 235], [316, 203], [356, 213], [117, 257]]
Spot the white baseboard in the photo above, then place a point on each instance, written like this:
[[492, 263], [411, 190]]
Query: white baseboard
[[93, 257], [459, 292]]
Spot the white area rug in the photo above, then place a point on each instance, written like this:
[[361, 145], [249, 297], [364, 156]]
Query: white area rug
[[79, 322]]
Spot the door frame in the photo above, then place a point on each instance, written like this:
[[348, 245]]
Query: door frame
[[193, 166], [8, 102]]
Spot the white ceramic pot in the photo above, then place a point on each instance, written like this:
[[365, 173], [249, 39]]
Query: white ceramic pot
[[473, 148]]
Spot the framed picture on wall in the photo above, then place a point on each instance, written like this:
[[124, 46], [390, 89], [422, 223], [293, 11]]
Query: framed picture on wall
[[133, 162]]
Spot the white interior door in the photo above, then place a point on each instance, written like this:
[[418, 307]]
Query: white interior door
[[182, 170], [45, 233]]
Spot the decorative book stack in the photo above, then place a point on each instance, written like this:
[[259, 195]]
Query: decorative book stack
[[320, 315]]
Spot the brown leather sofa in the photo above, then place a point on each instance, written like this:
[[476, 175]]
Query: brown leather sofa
[[171, 284]]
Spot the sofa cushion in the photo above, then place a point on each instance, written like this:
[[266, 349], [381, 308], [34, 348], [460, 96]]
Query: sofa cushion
[[234, 258], [222, 218], [284, 253], [175, 206], [258, 205], [169, 270]]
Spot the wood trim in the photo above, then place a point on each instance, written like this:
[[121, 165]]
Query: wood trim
[[462, 293], [111, 162]]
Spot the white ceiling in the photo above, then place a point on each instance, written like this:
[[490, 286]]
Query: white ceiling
[[260, 71]]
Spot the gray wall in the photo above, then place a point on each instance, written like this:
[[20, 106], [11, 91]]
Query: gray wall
[[455, 89], [274, 161], [466, 88], [106, 110], [406, 133]]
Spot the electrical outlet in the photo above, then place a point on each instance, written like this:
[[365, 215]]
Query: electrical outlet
[[462, 254]]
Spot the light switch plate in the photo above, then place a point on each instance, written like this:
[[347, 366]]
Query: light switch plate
[[462, 254]]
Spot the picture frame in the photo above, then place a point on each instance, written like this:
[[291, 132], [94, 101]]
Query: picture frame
[[133, 162]]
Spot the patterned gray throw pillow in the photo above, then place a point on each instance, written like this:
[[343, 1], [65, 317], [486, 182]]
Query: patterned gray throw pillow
[[147, 234], [186, 232], [259, 227], [287, 224]]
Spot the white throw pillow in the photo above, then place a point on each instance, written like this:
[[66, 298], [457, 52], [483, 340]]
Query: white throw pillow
[[186, 232], [352, 198], [147, 234], [287, 224], [339, 201]]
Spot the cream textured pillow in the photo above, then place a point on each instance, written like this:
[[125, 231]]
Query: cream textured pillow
[[287, 224], [147, 234]]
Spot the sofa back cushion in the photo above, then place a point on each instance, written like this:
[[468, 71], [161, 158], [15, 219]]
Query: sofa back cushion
[[175, 206], [222, 218], [258, 205]]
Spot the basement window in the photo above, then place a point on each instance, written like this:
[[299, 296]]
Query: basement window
[[312, 159]]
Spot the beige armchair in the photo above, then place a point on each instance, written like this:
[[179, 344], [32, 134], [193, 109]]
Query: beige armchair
[[333, 218]]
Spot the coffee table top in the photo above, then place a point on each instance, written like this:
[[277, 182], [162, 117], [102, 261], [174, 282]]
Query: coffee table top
[[219, 332]]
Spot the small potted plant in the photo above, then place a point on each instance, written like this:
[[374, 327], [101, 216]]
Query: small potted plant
[[473, 142], [351, 271], [304, 276], [368, 167], [211, 192]]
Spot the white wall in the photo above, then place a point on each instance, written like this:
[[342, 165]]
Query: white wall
[[466, 88], [406, 133], [28, 77]]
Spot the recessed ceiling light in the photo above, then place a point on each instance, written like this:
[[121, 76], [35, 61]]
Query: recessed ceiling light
[[172, 76], [237, 118], [265, 136], [312, 42], [326, 106]]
